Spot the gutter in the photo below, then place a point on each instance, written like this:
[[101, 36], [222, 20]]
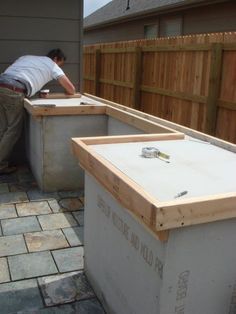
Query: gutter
[[154, 11]]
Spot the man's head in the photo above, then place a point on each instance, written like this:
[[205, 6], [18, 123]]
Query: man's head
[[57, 56]]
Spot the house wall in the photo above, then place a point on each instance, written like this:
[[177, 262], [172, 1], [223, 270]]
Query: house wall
[[212, 18], [36, 27]]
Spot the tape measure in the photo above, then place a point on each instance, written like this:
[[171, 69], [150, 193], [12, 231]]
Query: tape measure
[[153, 152]]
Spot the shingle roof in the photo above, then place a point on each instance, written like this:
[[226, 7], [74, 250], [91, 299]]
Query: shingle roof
[[116, 9]]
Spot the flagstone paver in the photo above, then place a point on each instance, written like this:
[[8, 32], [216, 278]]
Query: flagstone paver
[[90, 306], [33, 208], [31, 265], [55, 207], [57, 221], [11, 245], [69, 194], [69, 259], [70, 204], [23, 186], [30, 257], [4, 188], [79, 216], [7, 211], [13, 197], [81, 199], [8, 178], [17, 296], [65, 288], [75, 235], [4, 272], [25, 176], [37, 195], [45, 240], [20, 225]]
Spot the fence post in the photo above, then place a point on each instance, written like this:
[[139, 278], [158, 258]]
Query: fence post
[[214, 87], [137, 78], [97, 71]]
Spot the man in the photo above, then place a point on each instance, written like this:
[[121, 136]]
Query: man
[[26, 76]]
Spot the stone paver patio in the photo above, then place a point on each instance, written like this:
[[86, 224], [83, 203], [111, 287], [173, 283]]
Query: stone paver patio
[[41, 250]]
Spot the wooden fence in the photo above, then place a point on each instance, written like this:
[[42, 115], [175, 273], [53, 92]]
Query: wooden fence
[[190, 80]]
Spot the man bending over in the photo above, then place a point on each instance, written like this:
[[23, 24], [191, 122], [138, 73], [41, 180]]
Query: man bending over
[[25, 77]]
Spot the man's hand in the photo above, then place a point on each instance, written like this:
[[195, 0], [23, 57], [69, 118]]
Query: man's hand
[[66, 83]]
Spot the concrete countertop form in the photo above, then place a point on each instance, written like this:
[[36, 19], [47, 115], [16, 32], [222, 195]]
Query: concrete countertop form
[[197, 167], [70, 102]]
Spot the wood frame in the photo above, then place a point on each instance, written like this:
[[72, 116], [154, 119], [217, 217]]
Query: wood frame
[[91, 109], [40, 110], [174, 126], [157, 215]]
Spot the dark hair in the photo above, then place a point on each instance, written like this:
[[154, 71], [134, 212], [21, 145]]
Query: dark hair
[[56, 53]]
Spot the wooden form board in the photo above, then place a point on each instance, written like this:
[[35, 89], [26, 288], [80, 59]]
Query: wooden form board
[[174, 126], [41, 110], [61, 96], [91, 109], [158, 215]]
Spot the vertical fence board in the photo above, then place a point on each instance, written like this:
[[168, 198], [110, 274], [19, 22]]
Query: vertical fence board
[[97, 71], [206, 76], [137, 70], [214, 85]]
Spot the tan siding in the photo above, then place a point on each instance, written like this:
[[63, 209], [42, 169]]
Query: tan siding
[[29, 27], [39, 29], [52, 8], [171, 26], [35, 27], [8, 49], [218, 18], [123, 31], [213, 18]]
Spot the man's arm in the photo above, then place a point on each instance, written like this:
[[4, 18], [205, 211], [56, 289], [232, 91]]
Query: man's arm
[[66, 83]]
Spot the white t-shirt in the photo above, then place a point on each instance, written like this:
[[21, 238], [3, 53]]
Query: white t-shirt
[[35, 70]]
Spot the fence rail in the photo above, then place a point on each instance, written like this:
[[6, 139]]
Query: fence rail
[[190, 80]]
